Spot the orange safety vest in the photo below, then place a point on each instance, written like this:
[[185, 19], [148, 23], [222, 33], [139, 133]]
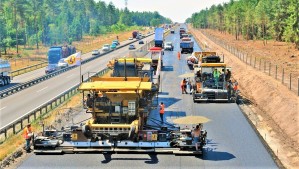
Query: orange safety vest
[[26, 132], [162, 108]]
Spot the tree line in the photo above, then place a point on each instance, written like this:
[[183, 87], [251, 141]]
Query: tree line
[[253, 19], [48, 22]]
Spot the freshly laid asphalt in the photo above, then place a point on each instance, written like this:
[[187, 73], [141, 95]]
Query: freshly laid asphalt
[[231, 142]]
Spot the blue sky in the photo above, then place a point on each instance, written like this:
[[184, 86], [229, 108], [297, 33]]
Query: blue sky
[[176, 10]]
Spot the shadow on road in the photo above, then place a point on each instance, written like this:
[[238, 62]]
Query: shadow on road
[[152, 160], [167, 68], [213, 155]]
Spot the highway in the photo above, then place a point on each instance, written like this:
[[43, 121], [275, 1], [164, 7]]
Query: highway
[[232, 143], [41, 72], [18, 104]]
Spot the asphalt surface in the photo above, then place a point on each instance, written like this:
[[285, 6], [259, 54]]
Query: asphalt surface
[[232, 143], [20, 103]]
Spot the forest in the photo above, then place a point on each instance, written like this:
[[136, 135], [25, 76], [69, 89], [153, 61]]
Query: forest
[[48, 22], [252, 19]]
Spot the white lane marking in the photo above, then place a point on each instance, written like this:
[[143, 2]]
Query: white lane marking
[[42, 89], [70, 76], [2, 108]]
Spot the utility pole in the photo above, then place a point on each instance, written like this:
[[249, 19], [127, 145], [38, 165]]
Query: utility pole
[[126, 4]]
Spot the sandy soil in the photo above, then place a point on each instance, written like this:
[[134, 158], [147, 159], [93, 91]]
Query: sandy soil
[[273, 109]]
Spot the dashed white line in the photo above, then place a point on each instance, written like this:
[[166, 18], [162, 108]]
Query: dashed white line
[[70, 76], [2, 108], [42, 89]]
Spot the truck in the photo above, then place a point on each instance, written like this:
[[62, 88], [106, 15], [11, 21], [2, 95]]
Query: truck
[[210, 89], [156, 54], [56, 53], [119, 107], [186, 45], [182, 31], [134, 34], [5, 69], [159, 37]]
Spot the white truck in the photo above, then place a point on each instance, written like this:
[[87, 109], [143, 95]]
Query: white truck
[[4, 72]]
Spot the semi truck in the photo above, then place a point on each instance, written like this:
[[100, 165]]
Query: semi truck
[[134, 34], [119, 106], [186, 45], [159, 37], [56, 53], [5, 69]]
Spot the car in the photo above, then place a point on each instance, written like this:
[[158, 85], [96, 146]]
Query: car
[[130, 38], [140, 42], [172, 31], [113, 46], [95, 53], [51, 68], [62, 63], [168, 46], [131, 47], [116, 42], [106, 47]]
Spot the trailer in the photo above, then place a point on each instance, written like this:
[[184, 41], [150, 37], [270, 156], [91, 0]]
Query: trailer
[[5, 69]]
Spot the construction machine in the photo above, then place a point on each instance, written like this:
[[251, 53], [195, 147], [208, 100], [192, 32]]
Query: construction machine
[[119, 106]]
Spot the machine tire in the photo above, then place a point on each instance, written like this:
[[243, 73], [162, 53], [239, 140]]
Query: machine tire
[[87, 131]]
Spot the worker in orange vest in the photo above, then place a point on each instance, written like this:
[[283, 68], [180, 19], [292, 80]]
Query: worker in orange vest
[[179, 55], [162, 107], [27, 134]]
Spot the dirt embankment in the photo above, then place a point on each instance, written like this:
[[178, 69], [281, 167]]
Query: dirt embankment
[[275, 106]]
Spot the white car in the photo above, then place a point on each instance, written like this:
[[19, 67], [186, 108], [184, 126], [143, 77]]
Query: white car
[[95, 53], [62, 63], [168, 46], [106, 47]]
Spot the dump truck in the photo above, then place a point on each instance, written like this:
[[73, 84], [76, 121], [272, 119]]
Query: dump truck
[[186, 45], [182, 31], [134, 34], [5, 69], [119, 106], [210, 87]]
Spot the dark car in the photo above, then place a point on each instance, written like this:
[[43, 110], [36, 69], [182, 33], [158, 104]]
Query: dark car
[[131, 47], [140, 42]]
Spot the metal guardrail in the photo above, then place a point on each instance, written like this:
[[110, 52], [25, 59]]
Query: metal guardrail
[[25, 70], [25, 85], [18, 124]]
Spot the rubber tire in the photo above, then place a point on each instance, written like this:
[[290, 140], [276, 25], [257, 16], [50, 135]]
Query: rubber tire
[[87, 131]]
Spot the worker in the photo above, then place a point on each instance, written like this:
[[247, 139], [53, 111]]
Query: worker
[[161, 111], [184, 86], [228, 75], [229, 90], [27, 134], [89, 101], [196, 134], [179, 55], [216, 75]]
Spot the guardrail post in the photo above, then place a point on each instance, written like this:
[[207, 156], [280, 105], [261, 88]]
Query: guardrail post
[[14, 129]]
